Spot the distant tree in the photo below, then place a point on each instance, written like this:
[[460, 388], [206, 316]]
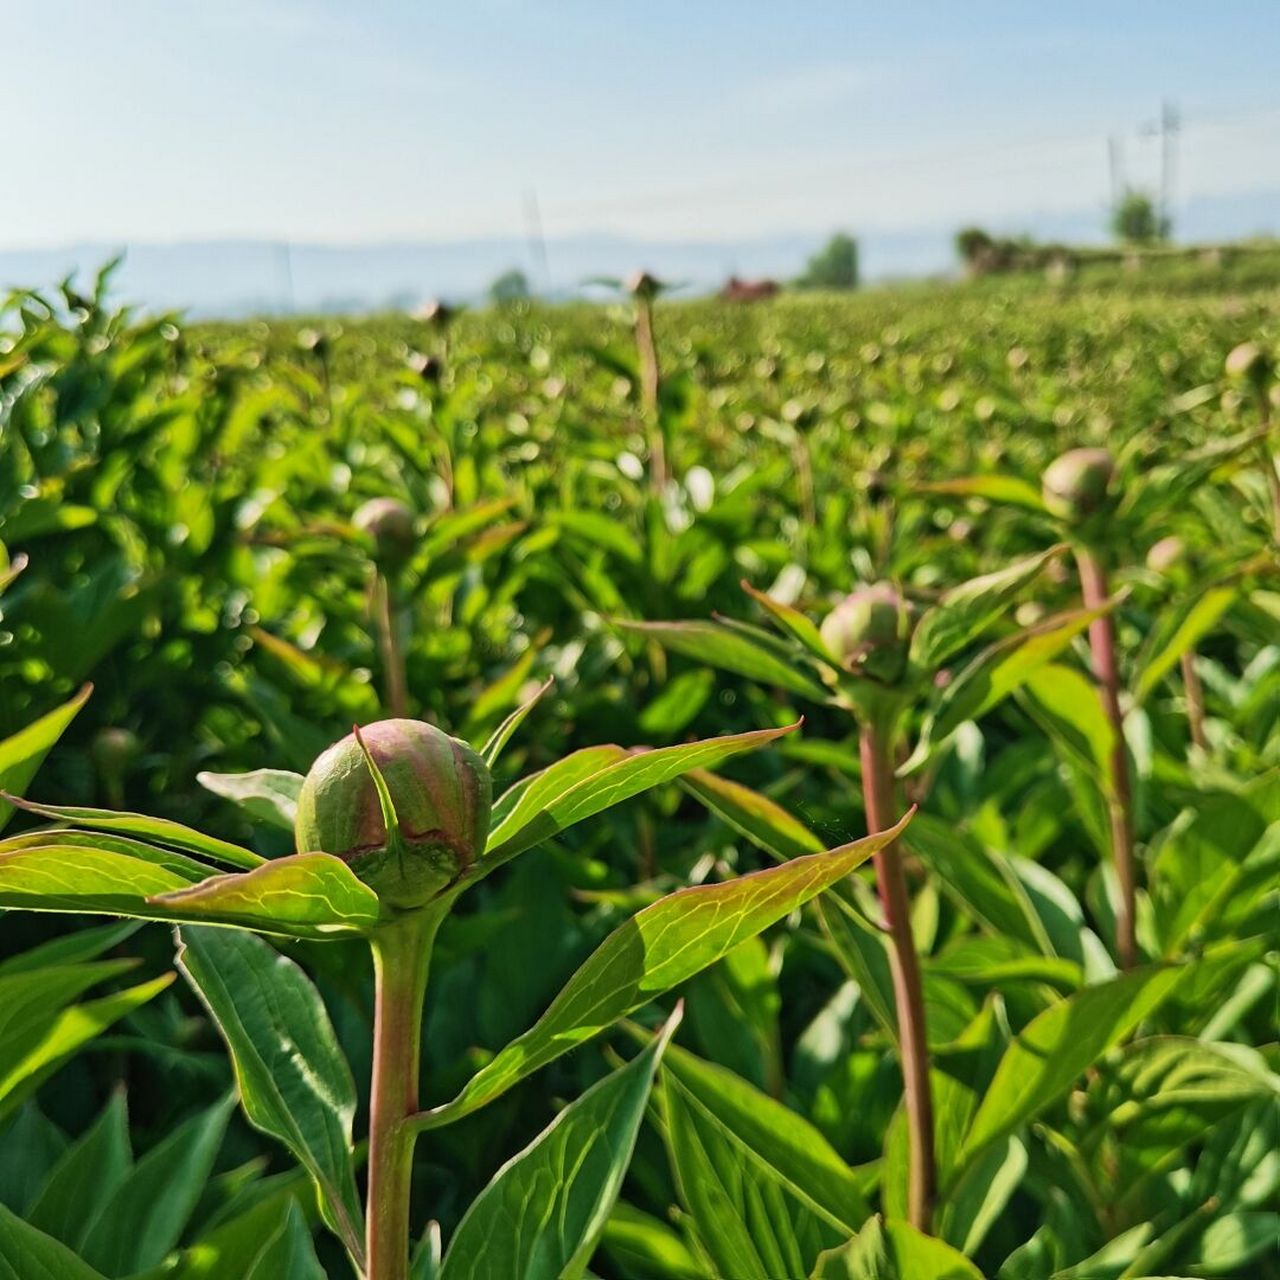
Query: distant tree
[[972, 244], [511, 286], [833, 267], [1135, 219]]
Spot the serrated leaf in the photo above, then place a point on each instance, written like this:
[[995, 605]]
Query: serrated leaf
[[269, 795], [658, 948], [294, 1082], [544, 1210]]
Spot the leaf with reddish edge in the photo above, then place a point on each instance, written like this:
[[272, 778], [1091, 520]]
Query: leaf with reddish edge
[[547, 807], [993, 488], [795, 623], [21, 754], [657, 949], [138, 824]]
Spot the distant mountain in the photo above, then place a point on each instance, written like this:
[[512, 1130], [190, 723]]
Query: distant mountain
[[240, 277]]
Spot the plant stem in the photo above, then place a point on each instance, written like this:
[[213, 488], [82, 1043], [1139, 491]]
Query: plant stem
[[391, 649], [1269, 464], [401, 959], [1102, 647], [1194, 692], [647, 351], [908, 994]]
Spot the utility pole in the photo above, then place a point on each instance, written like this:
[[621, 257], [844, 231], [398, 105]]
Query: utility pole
[[1115, 158]]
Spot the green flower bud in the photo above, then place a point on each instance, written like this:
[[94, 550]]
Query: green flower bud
[[1248, 363], [640, 284], [441, 792], [114, 750], [390, 524], [868, 632], [1078, 484]]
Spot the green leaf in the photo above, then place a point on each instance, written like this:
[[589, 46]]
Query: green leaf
[[992, 488], [306, 895], [71, 1029], [76, 947], [730, 650], [1187, 626], [643, 1245], [85, 1178], [863, 955], [22, 754], [1056, 1047], [992, 676], [144, 828], [974, 1205], [544, 1210], [28, 1254], [294, 1082], [1066, 705], [502, 734], [660, 947], [150, 1209], [269, 795], [780, 1145], [965, 611], [894, 1250], [555, 800], [760, 819], [795, 624], [289, 1254]]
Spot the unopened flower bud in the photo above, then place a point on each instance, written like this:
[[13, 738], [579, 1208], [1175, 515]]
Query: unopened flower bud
[[114, 750], [640, 284], [390, 524], [868, 632], [1078, 484], [440, 790]]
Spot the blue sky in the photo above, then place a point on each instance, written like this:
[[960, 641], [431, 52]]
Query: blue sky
[[316, 121]]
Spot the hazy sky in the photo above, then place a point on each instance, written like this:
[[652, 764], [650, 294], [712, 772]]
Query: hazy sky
[[383, 119]]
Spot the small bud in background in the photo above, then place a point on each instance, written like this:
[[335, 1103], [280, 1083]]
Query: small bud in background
[[868, 632], [876, 484], [428, 368], [1029, 613], [1248, 363], [439, 315], [1166, 554], [441, 792], [114, 750], [390, 524], [1078, 484], [640, 284]]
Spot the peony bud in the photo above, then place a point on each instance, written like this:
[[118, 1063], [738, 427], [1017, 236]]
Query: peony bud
[[1078, 484], [390, 524], [640, 284], [440, 790], [868, 631], [1248, 363], [114, 750]]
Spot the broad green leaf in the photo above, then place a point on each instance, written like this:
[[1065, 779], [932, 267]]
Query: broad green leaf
[[85, 1178], [269, 795], [21, 755], [863, 955], [660, 947], [894, 1250], [528, 795], [544, 1210], [547, 806], [306, 895], [965, 611], [1065, 703], [783, 1146], [991, 963], [150, 1209], [289, 1254], [187, 869], [144, 828], [29, 1254], [294, 1082], [1056, 1047], [992, 676], [760, 819], [641, 1244], [32, 1144], [975, 1204], [993, 488], [731, 650], [72, 1028], [1191, 624]]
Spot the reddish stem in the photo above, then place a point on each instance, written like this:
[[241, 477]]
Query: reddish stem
[[647, 350], [1102, 647], [1194, 692], [397, 684], [401, 957], [908, 993]]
